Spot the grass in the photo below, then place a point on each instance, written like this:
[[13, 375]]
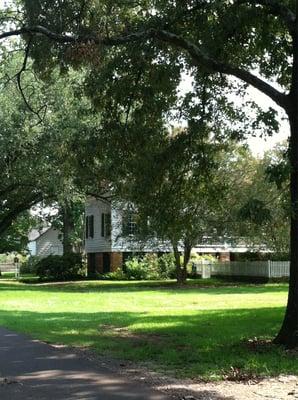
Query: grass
[[190, 332], [7, 275]]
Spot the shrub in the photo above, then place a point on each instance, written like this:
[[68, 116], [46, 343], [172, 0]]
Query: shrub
[[60, 268], [166, 266], [29, 266], [117, 275], [135, 268], [150, 267]]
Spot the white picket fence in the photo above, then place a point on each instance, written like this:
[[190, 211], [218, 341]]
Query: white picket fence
[[279, 269], [266, 269], [7, 267]]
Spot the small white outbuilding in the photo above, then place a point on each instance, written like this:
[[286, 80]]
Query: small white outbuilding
[[45, 242]]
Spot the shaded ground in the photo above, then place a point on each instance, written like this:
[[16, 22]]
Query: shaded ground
[[283, 387], [30, 369]]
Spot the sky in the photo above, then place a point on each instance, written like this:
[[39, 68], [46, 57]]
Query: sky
[[258, 145]]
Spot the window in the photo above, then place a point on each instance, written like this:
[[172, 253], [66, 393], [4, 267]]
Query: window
[[129, 223], [91, 226], [89, 229], [106, 225]]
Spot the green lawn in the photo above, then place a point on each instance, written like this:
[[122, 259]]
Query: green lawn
[[188, 331]]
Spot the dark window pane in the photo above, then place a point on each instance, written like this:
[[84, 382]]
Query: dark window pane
[[91, 226], [103, 225], [108, 225], [87, 227]]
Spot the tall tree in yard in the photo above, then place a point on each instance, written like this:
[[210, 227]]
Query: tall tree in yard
[[254, 41], [181, 200], [176, 179], [37, 161]]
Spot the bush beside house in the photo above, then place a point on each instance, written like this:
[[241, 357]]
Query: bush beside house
[[61, 268], [148, 267]]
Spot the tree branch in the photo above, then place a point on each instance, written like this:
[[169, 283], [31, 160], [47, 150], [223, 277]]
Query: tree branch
[[199, 56], [276, 8], [66, 38], [7, 220], [132, 95], [20, 87]]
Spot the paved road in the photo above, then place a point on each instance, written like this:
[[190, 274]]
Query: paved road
[[30, 369]]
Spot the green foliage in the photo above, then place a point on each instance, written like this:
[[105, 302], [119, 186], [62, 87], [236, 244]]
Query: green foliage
[[136, 268], [60, 268], [15, 237], [150, 267], [144, 74], [206, 257], [30, 265], [46, 149], [117, 275], [255, 211], [262, 200], [166, 266], [3, 258]]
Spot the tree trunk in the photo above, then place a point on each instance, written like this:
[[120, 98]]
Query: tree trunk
[[186, 256], [288, 334], [181, 269], [180, 275], [68, 227]]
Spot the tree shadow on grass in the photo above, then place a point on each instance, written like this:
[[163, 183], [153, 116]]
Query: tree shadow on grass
[[131, 286], [208, 343]]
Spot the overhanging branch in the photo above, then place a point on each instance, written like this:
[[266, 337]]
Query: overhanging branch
[[199, 56], [7, 219]]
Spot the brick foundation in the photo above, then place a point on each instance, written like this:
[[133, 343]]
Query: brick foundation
[[96, 262], [99, 263], [224, 257], [116, 261]]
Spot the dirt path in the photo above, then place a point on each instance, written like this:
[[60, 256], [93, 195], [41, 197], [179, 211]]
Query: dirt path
[[281, 388]]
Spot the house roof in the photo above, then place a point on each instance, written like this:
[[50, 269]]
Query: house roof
[[34, 234]]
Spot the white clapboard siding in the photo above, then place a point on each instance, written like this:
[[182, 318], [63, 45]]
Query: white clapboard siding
[[49, 243], [97, 244]]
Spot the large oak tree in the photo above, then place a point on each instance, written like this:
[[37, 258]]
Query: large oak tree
[[254, 41]]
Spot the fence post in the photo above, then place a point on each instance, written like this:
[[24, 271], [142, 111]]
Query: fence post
[[269, 269], [17, 267]]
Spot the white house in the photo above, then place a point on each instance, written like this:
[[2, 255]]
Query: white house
[[45, 242], [107, 248]]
